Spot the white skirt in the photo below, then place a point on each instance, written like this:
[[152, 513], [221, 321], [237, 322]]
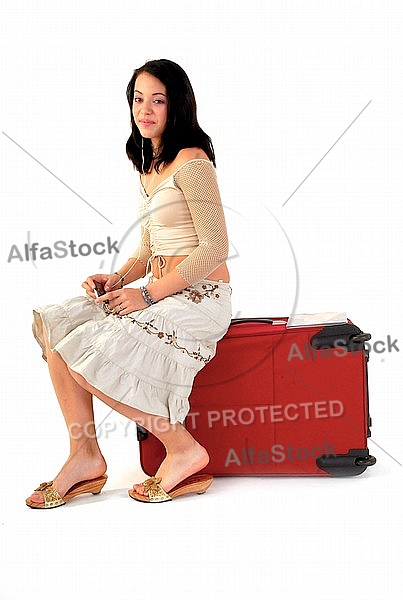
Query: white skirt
[[147, 359]]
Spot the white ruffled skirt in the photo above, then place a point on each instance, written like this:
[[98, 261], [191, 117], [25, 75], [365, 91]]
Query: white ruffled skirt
[[147, 359]]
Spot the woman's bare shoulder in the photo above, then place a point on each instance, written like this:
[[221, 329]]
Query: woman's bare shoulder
[[187, 154]]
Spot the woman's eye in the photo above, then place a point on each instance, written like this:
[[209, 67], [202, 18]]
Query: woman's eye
[[137, 99], [159, 101]]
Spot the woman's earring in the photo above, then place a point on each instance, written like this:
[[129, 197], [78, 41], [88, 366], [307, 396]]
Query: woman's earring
[[142, 154]]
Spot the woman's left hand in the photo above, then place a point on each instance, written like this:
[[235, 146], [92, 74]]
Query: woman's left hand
[[123, 301]]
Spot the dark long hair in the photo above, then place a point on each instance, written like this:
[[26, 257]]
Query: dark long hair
[[182, 129]]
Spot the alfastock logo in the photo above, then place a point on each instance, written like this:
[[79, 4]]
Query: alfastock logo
[[61, 249]]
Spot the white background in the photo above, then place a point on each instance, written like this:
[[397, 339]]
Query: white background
[[277, 84]]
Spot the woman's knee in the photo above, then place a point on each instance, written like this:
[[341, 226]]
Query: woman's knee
[[79, 379], [45, 337]]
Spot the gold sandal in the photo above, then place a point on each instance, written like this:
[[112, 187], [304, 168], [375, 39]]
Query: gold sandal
[[197, 484], [52, 498]]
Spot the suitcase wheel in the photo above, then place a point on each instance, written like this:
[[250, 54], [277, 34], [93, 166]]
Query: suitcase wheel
[[340, 465], [367, 461]]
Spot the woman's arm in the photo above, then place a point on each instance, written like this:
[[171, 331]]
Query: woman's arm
[[135, 267], [167, 285], [132, 270]]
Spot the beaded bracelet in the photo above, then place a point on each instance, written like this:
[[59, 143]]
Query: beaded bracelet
[[146, 296]]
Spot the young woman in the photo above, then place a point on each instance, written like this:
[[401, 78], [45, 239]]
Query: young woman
[[138, 349]]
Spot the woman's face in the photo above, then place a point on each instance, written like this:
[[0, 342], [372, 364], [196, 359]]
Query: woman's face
[[150, 107]]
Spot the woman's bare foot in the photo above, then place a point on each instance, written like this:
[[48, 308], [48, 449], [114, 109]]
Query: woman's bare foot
[[83, 465], [176, 467]]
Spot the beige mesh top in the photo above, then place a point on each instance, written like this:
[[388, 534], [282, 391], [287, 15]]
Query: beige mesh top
[[184, 216]]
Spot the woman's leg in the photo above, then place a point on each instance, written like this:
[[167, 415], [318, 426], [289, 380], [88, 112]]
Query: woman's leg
[[85, 460], [184, 455]]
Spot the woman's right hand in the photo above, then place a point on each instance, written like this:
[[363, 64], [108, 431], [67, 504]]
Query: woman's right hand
[[108, 281]]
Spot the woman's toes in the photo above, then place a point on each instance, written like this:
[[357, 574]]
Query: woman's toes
[[36, 497], [139, 489]]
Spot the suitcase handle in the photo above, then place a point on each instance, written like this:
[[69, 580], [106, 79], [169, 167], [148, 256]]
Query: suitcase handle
[[251, 320]]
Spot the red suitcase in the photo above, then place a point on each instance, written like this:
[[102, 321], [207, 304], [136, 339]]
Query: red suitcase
[[280, 401]]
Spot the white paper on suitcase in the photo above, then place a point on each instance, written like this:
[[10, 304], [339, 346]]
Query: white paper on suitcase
[[324, 318]]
